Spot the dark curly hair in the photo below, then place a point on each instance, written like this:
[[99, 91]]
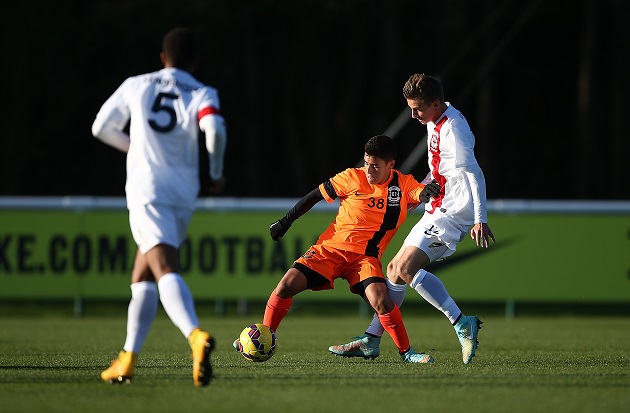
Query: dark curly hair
[[381, 146]]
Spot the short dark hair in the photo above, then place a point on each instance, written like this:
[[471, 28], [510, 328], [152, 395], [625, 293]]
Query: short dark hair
[[181, 47], [382, 147], [423, 88]]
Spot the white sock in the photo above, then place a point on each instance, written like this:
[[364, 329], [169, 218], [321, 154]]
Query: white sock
[[397, 294], [178, 302], [431, 289], [140, 314]]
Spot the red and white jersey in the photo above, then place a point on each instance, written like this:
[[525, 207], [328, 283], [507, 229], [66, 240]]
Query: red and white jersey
[[453, 165], [165, 108]]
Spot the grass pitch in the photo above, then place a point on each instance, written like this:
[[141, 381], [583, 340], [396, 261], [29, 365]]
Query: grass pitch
[[538, 364]]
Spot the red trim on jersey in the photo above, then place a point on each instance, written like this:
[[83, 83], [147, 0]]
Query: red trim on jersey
[[208, 111], [434, 147]]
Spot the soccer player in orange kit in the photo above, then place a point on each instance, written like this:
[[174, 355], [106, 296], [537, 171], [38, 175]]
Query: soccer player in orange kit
[[374, 201]]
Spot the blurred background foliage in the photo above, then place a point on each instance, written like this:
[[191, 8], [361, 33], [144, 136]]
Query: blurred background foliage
[[304, 83]]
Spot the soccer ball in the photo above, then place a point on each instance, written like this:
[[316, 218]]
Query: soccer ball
[[257, 343]]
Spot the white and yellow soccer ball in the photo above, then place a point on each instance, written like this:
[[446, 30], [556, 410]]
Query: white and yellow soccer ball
[[257, 342]]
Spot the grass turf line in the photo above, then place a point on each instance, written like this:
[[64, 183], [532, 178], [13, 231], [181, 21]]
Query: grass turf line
[[537, 364]]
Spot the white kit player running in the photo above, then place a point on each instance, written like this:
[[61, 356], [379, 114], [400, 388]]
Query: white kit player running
[[460, 207], [166, 110]]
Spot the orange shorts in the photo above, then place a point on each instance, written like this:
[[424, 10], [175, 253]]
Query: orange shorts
[[332, 263]]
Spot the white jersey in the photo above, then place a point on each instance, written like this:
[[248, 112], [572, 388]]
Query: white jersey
[[165, 108], [453, 165]]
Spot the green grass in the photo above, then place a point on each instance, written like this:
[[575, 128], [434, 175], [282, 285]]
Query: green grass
[[525, 364]]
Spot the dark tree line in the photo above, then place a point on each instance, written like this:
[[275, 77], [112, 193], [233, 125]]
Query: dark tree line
[[305, 83]]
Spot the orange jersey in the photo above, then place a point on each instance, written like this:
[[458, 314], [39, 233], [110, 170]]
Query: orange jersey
[[369, 215]]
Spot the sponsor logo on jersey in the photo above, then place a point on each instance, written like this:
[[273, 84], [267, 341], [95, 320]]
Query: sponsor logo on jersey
[[434, 142], [393, 196], [309, 254]]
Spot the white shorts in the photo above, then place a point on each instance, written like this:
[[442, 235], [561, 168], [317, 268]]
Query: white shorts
[[159, 224], [437, 235]]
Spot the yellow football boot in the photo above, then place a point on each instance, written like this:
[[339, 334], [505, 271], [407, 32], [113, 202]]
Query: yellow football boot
[[202, 344], [121, 369]]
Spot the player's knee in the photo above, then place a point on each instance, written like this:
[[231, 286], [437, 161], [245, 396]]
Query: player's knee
[[379, 299], [142, 275], [284, 290], [392, 273], [397, 274], [405, 277], [291, 284], [391, 269], [382, 305]]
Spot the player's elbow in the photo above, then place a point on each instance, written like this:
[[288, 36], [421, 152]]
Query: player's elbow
[[97, 129]]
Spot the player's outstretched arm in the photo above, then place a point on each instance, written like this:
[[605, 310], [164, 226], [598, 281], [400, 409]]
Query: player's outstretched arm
[[281, 226]]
